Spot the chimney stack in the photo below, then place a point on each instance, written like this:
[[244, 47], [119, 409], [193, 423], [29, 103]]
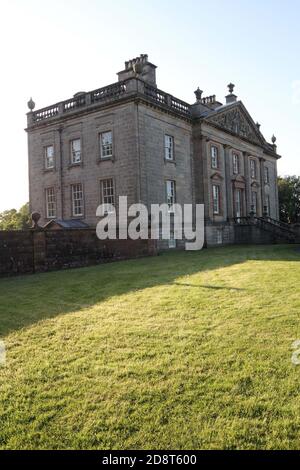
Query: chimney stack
[[231, 98], [141, 68]]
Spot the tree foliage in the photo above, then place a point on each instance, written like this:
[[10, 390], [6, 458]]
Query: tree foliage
[[289, 199], [15, 220]]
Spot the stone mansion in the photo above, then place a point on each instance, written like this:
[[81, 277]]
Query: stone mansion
[[133, 139]]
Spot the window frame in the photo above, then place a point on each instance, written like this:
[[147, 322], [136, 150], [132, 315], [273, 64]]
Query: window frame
[[173, 196], [102, 196], [256, 201], [236, 163], [73, 200], [218, 212], [216, 157], [78, 139], [238, 202], [46, 157], [253, 169], [48, 216], [102, 156], [167, 148], [266, 175]]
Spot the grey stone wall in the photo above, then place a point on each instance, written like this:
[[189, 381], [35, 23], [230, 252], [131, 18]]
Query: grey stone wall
[[25, 252], [249, 234]]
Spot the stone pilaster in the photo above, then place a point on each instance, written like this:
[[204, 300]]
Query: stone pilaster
[[206, 179], [247, 184], [262, 184], [228, 183]]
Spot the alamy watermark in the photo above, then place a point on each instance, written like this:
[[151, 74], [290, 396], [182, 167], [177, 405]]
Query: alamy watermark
[[2, 353], [164, 221]]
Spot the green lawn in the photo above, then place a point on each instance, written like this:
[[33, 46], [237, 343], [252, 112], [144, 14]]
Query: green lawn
[[180, 351]]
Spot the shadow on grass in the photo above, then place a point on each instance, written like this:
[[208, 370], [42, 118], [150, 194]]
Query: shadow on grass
[[28, 299], [202, 286]]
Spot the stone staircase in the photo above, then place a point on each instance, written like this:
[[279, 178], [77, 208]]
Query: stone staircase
[[280, 231]]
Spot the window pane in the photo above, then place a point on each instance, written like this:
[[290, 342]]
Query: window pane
[[253, 168], [76, 151], [216, 199], [170, 188], [267, 175], [107, 193], [77, 199], [106, 144], [49, 156], [236, 163], [169, 147], [50, 203], [214, 156]]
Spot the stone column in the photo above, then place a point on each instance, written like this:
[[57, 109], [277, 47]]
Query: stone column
[[247, 183], [228, 183], [262, 184], [206, 179]]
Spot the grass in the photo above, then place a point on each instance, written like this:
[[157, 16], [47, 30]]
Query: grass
[[181, 351]]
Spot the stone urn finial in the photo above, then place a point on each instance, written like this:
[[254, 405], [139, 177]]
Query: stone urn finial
[[231, 88], [198, 94], [35, 217], [31, 104], [274, 139]]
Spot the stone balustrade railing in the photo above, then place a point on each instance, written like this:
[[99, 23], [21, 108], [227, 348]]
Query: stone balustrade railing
[[109, 94]]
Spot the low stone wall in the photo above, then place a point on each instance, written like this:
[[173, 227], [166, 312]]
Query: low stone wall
[[250, 234], [16, 252], [23, 252]]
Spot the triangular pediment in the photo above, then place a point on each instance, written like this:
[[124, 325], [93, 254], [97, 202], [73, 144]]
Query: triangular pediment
[[238, 179], [236, 120], [216, 176]]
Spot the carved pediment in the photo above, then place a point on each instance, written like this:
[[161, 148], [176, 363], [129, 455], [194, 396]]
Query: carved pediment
[[238, 179], [237, 121], [217, 176]]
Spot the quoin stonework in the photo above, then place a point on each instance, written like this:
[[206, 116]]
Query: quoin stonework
[[133, 139]]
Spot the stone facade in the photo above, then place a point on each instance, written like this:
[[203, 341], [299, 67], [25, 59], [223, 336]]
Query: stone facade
[[138, 118]]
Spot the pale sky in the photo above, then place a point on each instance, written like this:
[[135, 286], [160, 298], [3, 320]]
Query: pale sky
[[51, 50]]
